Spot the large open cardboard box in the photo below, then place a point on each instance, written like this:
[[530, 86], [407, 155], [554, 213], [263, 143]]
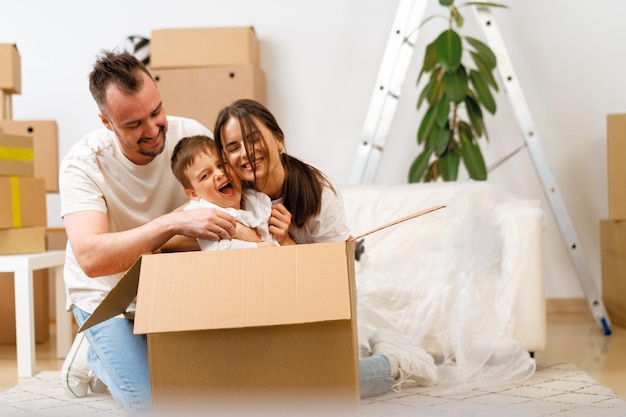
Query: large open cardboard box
[[256, 329], [268, 331]]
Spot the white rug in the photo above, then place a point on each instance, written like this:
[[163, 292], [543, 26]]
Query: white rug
[[557, 390]]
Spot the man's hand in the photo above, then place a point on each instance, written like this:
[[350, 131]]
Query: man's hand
[[205, 223]]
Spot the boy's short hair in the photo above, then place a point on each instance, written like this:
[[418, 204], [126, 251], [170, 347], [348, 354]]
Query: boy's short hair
[[185, 153]]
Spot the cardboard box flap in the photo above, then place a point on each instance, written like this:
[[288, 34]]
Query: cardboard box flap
[[401, 220], [243, 288], [118, 299]]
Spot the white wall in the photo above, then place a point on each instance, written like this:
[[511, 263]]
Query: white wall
[[321, 60]]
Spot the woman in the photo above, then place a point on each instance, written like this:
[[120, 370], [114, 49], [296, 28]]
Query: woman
[[307, 209]]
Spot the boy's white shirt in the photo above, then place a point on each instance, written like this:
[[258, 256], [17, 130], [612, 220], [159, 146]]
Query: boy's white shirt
[[256, 215]]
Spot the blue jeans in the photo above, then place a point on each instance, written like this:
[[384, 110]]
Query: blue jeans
[[374, 376], [120, 359]]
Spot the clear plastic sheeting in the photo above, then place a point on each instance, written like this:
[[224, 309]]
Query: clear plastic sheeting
[[450, 280]]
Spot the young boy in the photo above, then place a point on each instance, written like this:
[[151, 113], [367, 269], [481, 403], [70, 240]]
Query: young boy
[[196, 165]]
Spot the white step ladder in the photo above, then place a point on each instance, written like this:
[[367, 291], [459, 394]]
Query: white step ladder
[[391, 76]]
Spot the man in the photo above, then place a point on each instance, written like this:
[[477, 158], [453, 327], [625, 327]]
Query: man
[[119, 200]]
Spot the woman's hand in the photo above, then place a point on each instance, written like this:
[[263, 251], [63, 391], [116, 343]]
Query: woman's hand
[[279, 225]]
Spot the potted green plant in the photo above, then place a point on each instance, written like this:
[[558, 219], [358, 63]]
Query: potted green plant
[[458, 92]]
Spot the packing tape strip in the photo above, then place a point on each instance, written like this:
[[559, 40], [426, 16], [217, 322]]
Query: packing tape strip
[[15, 202], [16, 154]]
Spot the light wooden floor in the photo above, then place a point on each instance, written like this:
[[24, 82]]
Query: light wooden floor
[[572, 337]]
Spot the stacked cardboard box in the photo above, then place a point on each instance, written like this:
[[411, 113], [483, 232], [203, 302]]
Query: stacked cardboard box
[[10, 77], [28, 169], [613, 229], [201, 70], [23, 193], [44, 134]]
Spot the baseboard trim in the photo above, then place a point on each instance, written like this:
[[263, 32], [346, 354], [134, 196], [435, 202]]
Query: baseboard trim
[[567, 305]]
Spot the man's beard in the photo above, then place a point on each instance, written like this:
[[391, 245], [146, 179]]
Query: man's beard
[[154, 153]]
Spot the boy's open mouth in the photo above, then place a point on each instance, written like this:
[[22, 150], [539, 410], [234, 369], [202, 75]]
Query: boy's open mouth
[[227, 189]]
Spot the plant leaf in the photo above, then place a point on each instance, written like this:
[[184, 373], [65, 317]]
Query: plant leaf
[[484, 51], [427, 90], [449, 49], [475, 115], [442, 111], [485, 70], [426, 125], [473, 159], [449, 165], [446, 3], [439, 139], [482, 91], [457, 17], [419, 165], [455, 84], [433, 172], [430, 60]]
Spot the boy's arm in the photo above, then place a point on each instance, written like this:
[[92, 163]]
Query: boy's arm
[[179, 243]]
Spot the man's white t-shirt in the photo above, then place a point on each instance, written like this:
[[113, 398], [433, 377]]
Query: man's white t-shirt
[[95, 175]]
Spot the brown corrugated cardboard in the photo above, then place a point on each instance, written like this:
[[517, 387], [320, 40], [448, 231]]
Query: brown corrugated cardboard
[[200, 93], [616, 155], [270, 328], [10, 69], [7, 307], [6, 105], [203, 47], [17, 155], [24, 202], [22, 240], [45, 145], [613, 257], [56, 238], [280, 322]]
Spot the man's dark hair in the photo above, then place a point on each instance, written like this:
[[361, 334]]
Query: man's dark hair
[[121, 69]]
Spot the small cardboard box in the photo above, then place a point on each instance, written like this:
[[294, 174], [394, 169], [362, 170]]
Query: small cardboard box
[[203, 47], [17, 155], [613, 259], [616, 155], [24, 202], [45, 136], [200, 93], [10, 69], [238, 331], [22, 240]]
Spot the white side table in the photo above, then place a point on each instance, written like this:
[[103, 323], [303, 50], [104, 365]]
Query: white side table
[[22, 267]]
